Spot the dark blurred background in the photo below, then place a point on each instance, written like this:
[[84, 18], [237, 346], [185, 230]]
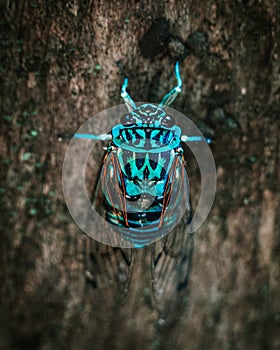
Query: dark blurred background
[[218, 289]]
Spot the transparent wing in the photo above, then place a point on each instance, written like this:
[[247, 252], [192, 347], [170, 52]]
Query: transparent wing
[[109, 198], [107, 269], [171, 259]]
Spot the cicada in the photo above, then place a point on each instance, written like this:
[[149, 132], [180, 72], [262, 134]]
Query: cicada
[[140, 194], [142, 188]]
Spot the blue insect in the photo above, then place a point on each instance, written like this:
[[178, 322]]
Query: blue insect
[[142, 188]]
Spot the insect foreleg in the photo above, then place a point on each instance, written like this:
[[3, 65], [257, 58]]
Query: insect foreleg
[[185, 138], [93, 137], [126, 97], [170, 97]]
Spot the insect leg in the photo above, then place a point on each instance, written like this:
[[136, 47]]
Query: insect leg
[[185, 138], [126, 97], [170, 97], [93, 137]]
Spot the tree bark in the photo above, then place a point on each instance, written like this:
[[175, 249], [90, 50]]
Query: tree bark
[[217, 289]]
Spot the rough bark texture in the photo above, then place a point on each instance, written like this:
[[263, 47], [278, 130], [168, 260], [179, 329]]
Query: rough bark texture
[[59, 288]]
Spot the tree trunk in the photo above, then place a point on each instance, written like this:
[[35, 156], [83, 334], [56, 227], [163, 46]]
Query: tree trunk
[[217, 289]]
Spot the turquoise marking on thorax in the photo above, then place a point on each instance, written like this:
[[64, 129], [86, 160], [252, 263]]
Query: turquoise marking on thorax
[[139, 144], [146, 165]]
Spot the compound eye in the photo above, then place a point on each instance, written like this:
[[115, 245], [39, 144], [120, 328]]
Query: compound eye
[[128, 120], [168, 121]]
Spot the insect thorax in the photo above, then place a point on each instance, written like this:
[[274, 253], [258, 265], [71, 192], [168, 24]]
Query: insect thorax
[[146, 142], [147, 128]]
